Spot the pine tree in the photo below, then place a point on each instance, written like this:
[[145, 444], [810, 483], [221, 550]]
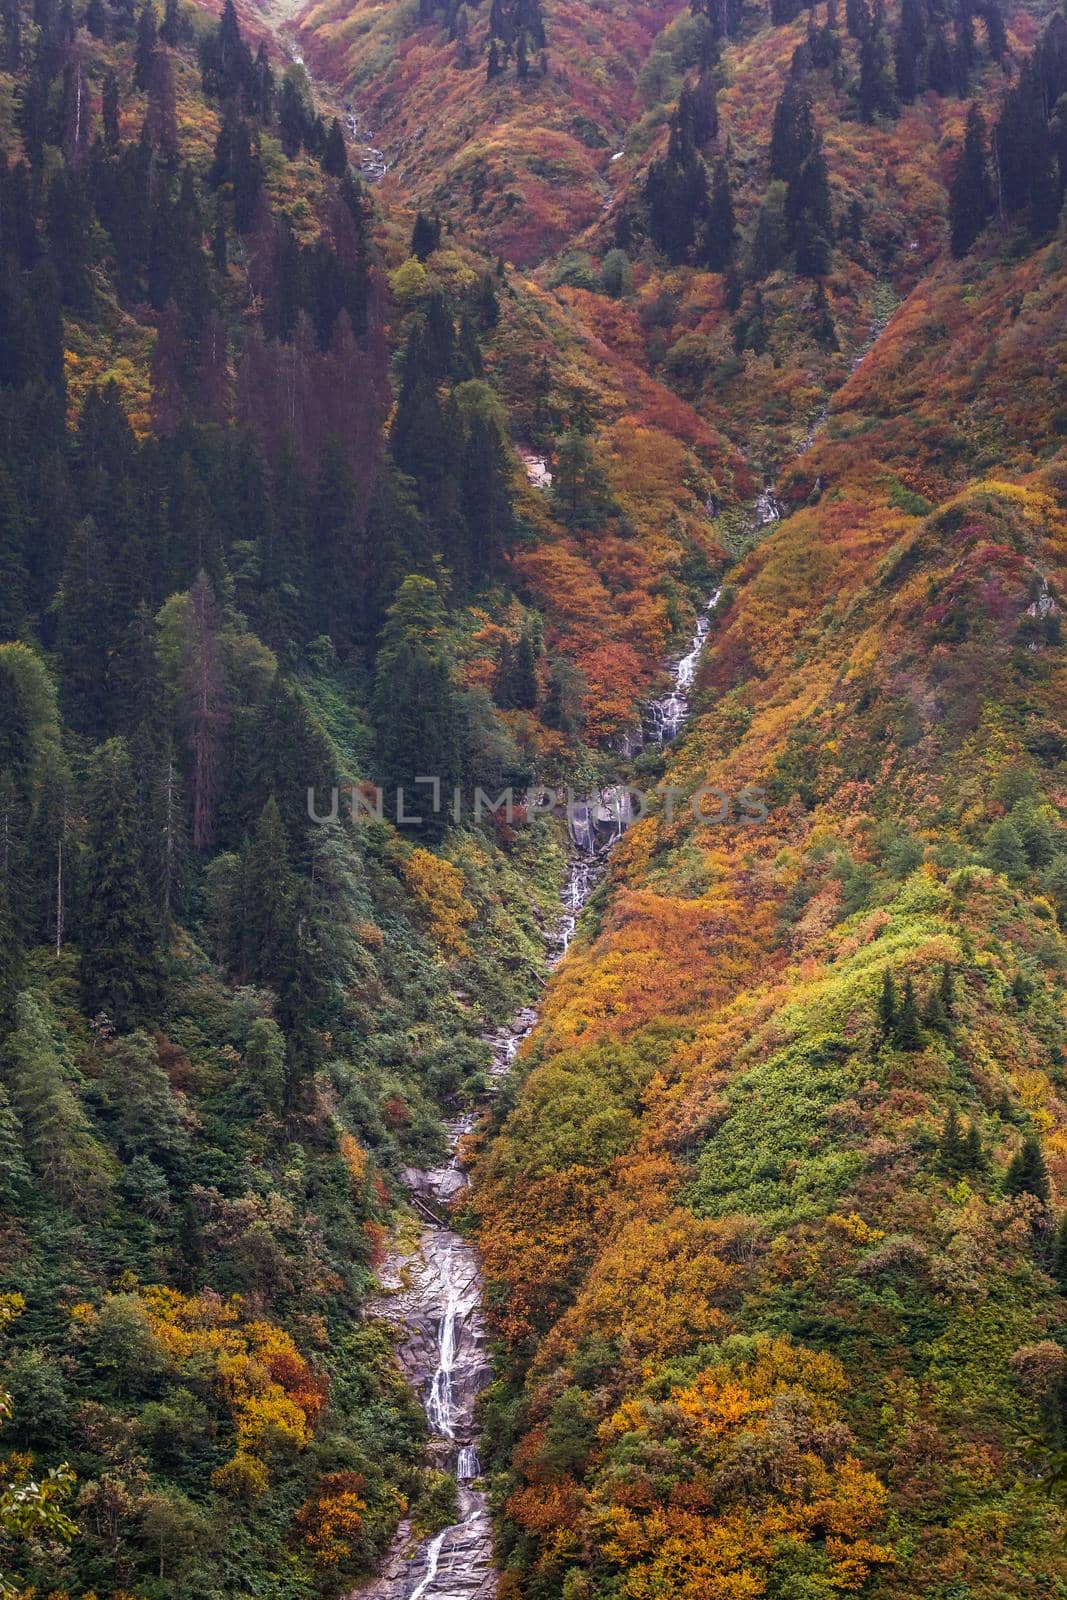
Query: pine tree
[[793, 135], [425, 237], [720, 231], [887, 1004], [267, 903], [147, 1117], [335, 155], [907, 1033], [950, 1150], [67, 1159], [121, 966], [877, 95], [263, 1073], [973, 1154], [147, 44], [1028, 1173], [970, 195], [1059, 1256], [414, 705]]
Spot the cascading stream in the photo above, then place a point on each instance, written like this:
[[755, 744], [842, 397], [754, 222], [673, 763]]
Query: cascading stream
[[437, 1301]]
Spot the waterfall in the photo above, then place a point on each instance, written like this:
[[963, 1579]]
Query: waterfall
[[433, 1558], [439, 1408], [437, 1293]]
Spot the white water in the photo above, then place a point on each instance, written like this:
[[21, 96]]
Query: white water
[[433, 1561], [451, 1367], [666, 715], [439, 1408]]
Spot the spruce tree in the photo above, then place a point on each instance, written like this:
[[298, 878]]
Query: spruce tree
[[808, 215], [877, 94], [147, 1116], [263, 1074], [121, 965], [973, 1154], [907, 1033], [425, 237], [524, 681], [1027, 1173], [950, 1150], [66, 1157], [267, 903], [970, 195], [11, 957], [792, 131], [887, 1004], [147, 43], [335, 155], [415, 710], [1059, 1256], [720, 230]]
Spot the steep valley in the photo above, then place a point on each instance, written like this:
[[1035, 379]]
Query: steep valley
[[650, 1185]]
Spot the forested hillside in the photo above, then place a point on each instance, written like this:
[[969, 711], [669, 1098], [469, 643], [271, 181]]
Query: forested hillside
[[319, 478]]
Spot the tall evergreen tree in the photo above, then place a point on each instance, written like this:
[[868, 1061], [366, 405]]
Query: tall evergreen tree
[[65, 1155], [720, 230], [414, 705], [1028, 1173], [121, 964], [970, 195], [335, 154]]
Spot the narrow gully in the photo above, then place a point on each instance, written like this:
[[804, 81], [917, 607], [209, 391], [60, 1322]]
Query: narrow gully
[[435, 1297]]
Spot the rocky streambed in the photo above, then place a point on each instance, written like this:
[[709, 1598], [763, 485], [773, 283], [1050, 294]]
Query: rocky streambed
[[434, 1295]]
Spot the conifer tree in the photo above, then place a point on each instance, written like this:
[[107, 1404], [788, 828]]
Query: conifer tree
[[792, 131], [110, 109], [950, 1152], [877, 94], [146, 1114], [425, 237], [11, 954], [267, 903], [147, 44], [121, 967], [414, 705], [263, 1068], [1059, 1256], [676, 192], [720, 230], [973, 1154], [335, 155], [808, 215], [1028, 1173], [887, 1004], [65, 1155], [970, 195], [907, 1033]]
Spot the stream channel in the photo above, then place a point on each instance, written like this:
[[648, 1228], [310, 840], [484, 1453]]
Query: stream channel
[[435, 1295]]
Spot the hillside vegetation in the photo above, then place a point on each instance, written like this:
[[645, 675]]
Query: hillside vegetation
[[772, 1212]]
